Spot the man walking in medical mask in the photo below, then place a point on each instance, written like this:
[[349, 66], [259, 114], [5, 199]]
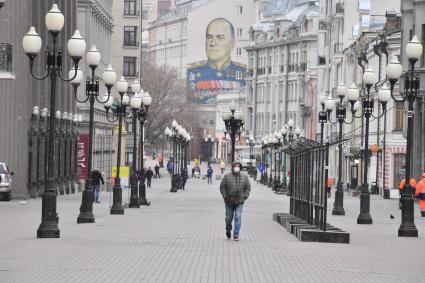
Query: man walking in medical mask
[[235, 189]]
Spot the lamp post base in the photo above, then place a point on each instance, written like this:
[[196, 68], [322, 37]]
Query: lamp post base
[[174, 180], [339, 203], [364, 216], [86, 207], [407, 227], [49, 222], [134, 199], [117, 207]]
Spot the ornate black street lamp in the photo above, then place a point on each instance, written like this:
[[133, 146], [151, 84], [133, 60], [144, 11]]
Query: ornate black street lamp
[[141, 115], [251, 143], [76, 48], [119, 111], [178, 136], [233, 120], [263, 160], [367, 111], [414, 51], [208, 148], [109, 77], [352, 96]]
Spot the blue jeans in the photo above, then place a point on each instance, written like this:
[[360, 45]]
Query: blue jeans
[[236, 213], [97, 193]]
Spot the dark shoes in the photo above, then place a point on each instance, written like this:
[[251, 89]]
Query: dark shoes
[[228, 235], [236, 237]]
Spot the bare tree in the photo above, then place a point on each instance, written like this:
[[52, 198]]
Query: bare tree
[[170, 101]]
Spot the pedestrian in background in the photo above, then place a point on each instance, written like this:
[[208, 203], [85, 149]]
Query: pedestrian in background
[[149, 175], [157, 171], [329, 184], [235, 189], [209, 175], [96, 177], [170, 167], [222, 166], [420, 193], [184, 177], [401, 186]]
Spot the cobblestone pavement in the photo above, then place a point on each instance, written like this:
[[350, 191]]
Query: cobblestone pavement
[[180, 238]]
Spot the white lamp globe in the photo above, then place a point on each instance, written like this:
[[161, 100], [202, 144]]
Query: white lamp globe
[[109, 76], [329, 104], [44, 112], [226, 115], [147, 99], [284, 131], [135, 86], [357, 106], [122, 85], [322, 99], [76, 45], [341, 90], [414, 48], [78, 78], [384, 94], [65, 115], [125, 99], [35, 110], [93, 56], [58, 114], [136, 101], [290, 123], [75, 119], [394, 69], [174, 124], [54, 19], [32, 42], [232, 106], [353, 93], [238, 115], [80, 118], [298, 131], [369, 77]]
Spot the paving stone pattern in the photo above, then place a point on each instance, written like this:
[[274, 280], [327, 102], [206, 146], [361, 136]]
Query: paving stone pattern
[[181, 238]]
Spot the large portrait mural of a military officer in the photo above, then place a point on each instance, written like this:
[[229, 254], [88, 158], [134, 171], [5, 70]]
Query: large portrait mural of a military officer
[[219, 73]]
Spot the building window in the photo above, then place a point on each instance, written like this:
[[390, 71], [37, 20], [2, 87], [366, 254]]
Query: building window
[[145, 15], [239, 32], [239, 51], [399, 168], [398, 116], [130, 36], [130, 7], [130, 66], [240, 9]]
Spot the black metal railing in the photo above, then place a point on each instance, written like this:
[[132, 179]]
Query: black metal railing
[[6, 55], [307, 185]]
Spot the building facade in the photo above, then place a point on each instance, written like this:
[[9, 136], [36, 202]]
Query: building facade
[[281, 68], [413, 23]]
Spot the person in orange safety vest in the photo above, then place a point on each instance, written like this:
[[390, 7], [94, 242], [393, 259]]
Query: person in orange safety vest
[[402, 183], [420, 193], [412, 183], [329, 184]]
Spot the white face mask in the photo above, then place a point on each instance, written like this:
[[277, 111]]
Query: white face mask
[[236, 169]]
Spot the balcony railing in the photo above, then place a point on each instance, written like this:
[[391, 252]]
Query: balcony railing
[[6, 52]]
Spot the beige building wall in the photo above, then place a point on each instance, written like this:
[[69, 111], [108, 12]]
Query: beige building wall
[[119, 49]]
